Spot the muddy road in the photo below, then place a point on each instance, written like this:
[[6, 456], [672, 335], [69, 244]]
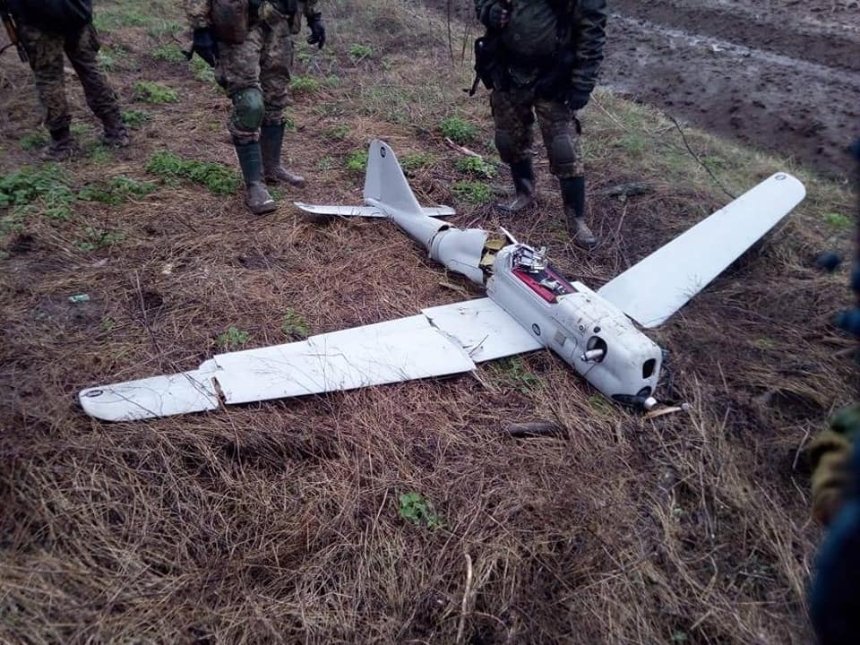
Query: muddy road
[[778, 75]]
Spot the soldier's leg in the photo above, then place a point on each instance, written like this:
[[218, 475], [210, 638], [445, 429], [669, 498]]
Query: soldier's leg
[[239, 74], [82, 48], [561, 136], [275, 66], [513, 119], [45, 52]]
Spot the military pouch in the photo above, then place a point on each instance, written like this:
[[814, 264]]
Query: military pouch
[[486, 60], [230, 20]]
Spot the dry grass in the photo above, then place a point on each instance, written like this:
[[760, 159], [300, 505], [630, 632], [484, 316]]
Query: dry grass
[[279, 522]]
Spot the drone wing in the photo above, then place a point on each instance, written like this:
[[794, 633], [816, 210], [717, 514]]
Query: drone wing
[[440, 341], [368, 211], [658, 286]]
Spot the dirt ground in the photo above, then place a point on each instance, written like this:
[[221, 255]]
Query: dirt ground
[[782, 76], [285, 521]]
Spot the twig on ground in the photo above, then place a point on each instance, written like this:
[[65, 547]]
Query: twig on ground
[[461, 149], [535, 429], [467, 591], [696, 157]]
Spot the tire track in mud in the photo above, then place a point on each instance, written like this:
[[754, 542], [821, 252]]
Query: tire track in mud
[[793, 107]]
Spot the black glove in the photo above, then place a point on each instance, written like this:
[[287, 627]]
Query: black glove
[[205, 46], [315, 24], [576, 99], [496, 16]]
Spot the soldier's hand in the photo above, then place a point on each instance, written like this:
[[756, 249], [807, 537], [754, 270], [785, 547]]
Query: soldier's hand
[[496, 16], [315, 24], [205, 46], [576, 99]]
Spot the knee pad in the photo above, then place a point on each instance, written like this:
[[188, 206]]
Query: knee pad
[[563, 155], [506, 146], [248, 109]]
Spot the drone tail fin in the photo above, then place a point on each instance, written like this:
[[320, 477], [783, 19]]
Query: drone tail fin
[[385, 184]]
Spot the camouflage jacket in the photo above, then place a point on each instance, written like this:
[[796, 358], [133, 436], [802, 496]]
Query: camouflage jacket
[[199, 11], [533, 34]]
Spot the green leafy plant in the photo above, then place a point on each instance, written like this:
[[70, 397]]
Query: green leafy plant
[[294, 325], [33, 141], [233, 338], [136, 118], [476, 167], [45, 189], [151, 92], [201, 70], [169, 52], [839, 221], [116, 190], [513, 372], [359, 52], [458, 130], [472, 192], [96, 238], [337, 132], [418, 510], [304, 85], [356, 161], [415, 161], [217, 177]]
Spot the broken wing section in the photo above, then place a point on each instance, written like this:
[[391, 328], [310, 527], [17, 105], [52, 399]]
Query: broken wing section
[[483, 329], [662, 283], [389, 352]]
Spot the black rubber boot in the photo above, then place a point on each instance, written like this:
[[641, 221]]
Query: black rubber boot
[[115, 133], [63, 146], [573, 197], [523, 175], [271, 144], [257, 198]]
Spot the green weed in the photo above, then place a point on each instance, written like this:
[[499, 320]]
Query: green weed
[[201, 70], [839, 221], [337, 132], [325, 163], [100, 155], [415, 161], [294, 325], [96, 238], [512, 372], [169, 52], [472, 192], [217, 177], [233, 338], [356, 161], [359, 52], [458, 130], [161, 27], [151, 92], [418, 510], [44, 189], [476, 167], [304, 85], [116, 190], [136, 118], [33, 141]]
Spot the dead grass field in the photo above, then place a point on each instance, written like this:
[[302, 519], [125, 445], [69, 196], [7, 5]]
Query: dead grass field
[[283, 522]]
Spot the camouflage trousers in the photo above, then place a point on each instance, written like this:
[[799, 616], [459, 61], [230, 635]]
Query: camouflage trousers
[[514, 113], [45, 51], [256, 75]]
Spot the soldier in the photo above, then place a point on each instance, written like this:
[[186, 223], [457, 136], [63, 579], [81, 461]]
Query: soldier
[[47, 28], [544, 57], [250, 44]]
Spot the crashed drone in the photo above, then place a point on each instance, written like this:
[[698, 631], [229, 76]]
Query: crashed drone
[[529, 306]]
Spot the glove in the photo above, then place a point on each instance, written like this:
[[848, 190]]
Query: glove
[[315, 24], [496, 16], [205, 46], [576, 99]]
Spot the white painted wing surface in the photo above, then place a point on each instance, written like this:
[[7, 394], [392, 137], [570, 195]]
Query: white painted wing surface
[[368, 211], [483, 329], [659, 285]]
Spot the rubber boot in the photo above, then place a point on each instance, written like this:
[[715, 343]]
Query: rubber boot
[[115, 133], [271, 143], [523, 175], [573, 197], [62, 147], [257, 198]]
